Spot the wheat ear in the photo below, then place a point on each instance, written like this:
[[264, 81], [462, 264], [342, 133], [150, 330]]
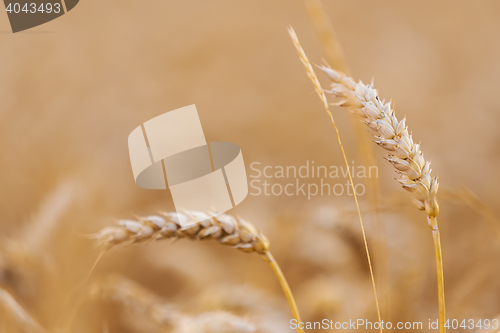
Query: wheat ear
[[405, 155], [317, 86], [226, 229]]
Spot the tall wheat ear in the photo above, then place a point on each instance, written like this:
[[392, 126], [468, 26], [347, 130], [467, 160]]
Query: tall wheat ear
[[405, 155], [226, 229]]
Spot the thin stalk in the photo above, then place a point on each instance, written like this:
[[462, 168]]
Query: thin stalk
[[334, 54], [319, 90], [360, 221], [268, 257], [440, 274]]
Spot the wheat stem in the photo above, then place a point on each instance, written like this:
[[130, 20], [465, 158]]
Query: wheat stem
[[440, 275], [312, 76], [94, 265], [268, 257]]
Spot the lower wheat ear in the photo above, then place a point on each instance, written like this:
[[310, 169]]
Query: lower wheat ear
[[226, 229]]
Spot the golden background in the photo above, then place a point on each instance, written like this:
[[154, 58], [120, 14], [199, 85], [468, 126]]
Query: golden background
[[73, 89]]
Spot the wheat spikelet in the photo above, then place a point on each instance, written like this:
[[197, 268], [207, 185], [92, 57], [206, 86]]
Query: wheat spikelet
[[226, 229]]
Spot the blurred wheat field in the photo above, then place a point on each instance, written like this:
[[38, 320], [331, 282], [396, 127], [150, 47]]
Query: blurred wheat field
[[73, 89]]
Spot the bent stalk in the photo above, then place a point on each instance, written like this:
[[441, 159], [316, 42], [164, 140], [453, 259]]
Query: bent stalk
[[268, 257]]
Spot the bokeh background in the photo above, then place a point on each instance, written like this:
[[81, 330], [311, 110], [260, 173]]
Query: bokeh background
[[73, 89]]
